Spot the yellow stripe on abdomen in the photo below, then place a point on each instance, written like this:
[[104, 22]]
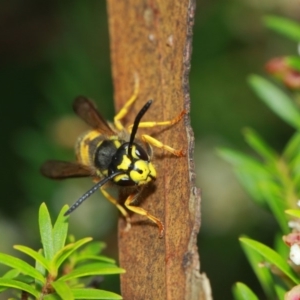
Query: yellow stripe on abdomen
[[86, 146]]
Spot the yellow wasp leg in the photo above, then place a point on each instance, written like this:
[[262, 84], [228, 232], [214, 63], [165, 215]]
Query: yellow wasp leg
[[143, 212], [119, 207], [153, 124], [124, 110], [156, 143]]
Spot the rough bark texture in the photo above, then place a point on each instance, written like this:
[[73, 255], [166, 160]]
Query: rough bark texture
[[153, 38]]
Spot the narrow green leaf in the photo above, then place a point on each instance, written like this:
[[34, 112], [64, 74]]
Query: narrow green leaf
[[263, 274], [60, 230], [260, 146], [65, 252], [35, 255], [271, 192], [21, 265], [249, 181], [293, 62], [280, 246], [62, 255], [243, 292], [39, 266], [280, 290], [11, 274], [292, 148], [93, 269], [259, 182], [241, 161], [46, 231], [294, 168], [236, 158], [293, 212], [95, 257], [283, 26], [271, 256], [63, 290], [93, 248], [251, 173], [20, 286], [94, 294], [52, 297], [40, 269], [276, 100]]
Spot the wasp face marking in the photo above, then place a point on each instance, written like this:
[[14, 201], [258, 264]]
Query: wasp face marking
[[142, 172], [137, 168]]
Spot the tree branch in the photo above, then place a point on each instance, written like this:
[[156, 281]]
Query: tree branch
[[153, 38]]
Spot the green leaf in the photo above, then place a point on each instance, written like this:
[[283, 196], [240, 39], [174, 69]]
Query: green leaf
[[46, 231], [276, 100], [60, 230], [21, 265], [271, 256], [20, 286], [63, 290], [280, 290], [293, 62], [93, 248], [11, 274], [51, 297], [91, 270], [40, 269], [95, 257], [293, 212], [271, 192], [236, 158], [280, 246], [294, 168], [259, 182], [94, 294], [65, 252], [250, 172], [283, 26], [243, 292], [292, 148], [35, 255], [260, 146], [263, 274]]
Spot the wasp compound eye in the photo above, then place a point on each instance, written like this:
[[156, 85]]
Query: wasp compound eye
[[139, 152]]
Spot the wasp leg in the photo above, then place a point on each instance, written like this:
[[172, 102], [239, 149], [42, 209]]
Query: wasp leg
[[143, 212], [156, 143], [119, 207], [124, 110], [153, 124]]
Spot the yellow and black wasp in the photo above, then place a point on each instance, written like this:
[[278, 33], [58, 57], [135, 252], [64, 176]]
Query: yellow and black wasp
[[110, 153]]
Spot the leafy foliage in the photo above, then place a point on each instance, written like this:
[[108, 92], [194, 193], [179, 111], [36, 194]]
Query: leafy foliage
[[273, 179], [58, 266]]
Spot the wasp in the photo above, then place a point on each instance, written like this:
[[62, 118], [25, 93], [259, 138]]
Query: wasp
[[111, 153]]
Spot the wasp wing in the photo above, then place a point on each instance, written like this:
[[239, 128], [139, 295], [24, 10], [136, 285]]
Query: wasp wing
[[56, 169], [88, 112]]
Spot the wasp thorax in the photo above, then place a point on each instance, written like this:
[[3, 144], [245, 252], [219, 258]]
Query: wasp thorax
[[105, 153], [137, 167]]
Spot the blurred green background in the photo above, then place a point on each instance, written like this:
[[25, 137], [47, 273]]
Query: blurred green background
[[51, 52]]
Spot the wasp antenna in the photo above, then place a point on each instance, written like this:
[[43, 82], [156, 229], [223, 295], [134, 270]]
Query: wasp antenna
[[136, 124], [90, 192]]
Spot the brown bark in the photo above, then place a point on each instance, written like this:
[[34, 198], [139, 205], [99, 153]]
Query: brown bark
[[153, 38]]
